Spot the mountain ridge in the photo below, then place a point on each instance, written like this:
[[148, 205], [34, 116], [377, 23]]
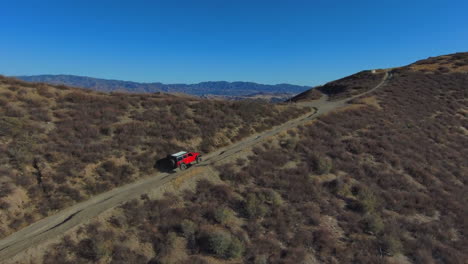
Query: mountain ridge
[[224, 88]]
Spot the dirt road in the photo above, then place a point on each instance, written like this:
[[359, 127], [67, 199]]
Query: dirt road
[[64, 220]]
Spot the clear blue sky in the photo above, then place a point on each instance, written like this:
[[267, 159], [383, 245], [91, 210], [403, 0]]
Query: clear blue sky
[[288, 41]]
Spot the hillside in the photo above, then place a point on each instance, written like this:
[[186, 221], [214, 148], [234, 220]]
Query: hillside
[[261, 96], [346, 87], [457, 62], [199, 89], [61, 145], [380, 180], [364, 80]]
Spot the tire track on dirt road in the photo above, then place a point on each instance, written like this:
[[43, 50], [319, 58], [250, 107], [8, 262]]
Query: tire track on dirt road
[[57, 224]]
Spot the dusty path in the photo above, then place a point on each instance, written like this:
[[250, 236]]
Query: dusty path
[[64, 220]]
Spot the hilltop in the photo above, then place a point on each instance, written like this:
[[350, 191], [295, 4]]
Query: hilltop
[[220, 88], [453, 63], [379, 179], [365, 80]]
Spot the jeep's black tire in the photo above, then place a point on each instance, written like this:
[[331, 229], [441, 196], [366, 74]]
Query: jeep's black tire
[[183, 166], [199, 159], [173, 163]]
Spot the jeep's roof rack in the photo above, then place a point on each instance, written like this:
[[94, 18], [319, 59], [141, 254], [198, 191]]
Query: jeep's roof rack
[[180, 153]]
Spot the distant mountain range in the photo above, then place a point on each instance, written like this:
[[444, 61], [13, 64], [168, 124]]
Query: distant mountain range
[[219, 88]]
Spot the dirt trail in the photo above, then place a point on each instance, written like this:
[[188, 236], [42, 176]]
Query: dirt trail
[[68, 218]]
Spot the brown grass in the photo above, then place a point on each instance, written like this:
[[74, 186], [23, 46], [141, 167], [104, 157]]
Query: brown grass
[[62, 145], [356, 186]]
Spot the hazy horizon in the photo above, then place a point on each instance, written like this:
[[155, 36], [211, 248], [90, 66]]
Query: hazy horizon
[[120, 80]]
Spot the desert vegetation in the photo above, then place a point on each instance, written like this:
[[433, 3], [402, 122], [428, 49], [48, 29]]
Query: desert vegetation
[[457, 62], [312, 94], [61, 145], [352, 85], [373, 183]]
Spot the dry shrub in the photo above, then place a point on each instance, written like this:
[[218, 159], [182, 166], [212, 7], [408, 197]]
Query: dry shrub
[[222, 244]]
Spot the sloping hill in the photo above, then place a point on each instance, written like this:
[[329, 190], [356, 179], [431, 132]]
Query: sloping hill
[[200, 89], [61, 145], [343, 88], [457, 62], [382, 180], [365, 80], [309, 95]]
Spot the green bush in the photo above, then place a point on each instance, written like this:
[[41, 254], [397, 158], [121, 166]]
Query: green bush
[[188, 228], [254, 207], [367, 199], [274, 198], [223, 245], [391, 244], [219, 242], [373, 223], [235, 249], [223, 215], [323, 165]]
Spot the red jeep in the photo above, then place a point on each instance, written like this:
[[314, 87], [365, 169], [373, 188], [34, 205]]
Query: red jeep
[[182, 159]]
